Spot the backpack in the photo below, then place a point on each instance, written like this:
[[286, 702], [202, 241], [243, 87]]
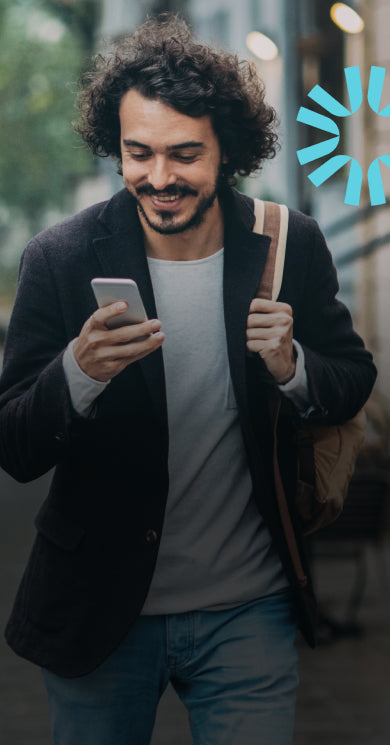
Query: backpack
[[326, 453]]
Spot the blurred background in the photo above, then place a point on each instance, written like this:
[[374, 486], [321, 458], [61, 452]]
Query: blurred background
[[46, 174]]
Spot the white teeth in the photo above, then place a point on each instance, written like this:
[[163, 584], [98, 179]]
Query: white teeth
[[166, 199]]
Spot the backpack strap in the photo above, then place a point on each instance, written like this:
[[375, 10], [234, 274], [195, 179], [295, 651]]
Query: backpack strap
[[272, 220]]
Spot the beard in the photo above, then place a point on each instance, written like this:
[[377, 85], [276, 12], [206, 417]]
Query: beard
[[167, 225]]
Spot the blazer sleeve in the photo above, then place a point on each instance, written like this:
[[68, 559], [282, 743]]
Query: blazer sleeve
[[340, 371], [35, 406]]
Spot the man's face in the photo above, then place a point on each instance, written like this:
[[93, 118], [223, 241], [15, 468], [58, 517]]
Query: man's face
[[171, 163]]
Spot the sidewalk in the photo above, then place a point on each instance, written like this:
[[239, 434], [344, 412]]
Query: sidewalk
[[345, 685], [344, 695]]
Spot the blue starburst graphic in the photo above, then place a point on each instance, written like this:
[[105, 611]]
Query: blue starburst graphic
[[326, 124]]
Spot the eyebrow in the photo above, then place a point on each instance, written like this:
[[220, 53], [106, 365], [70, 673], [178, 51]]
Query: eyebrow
[[179, 146]]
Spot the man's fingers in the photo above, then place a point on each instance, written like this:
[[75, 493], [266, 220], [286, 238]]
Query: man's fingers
[[260, 305], [265, 334], [254, 346], [124, 333], [116, 342], [265, 346], [133, 331], [101, 315], [268, 320], [134, 350]]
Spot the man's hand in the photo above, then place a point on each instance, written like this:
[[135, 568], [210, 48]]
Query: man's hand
[[102, 353], [270, 333]]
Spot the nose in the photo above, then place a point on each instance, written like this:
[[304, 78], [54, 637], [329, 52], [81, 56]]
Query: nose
[[161, 174]]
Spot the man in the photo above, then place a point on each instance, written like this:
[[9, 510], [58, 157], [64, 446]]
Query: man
[[156, 561]]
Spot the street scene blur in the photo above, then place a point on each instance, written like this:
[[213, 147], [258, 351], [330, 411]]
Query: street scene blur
[[47, 174]]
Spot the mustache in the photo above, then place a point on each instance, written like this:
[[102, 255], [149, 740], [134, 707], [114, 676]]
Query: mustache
[[172, 190]]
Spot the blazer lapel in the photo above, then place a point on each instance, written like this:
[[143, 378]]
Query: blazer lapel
[[122, 254], [245, 257]]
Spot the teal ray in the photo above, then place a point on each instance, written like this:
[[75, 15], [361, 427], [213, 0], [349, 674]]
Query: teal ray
[[354, 87], [354, 185], [375, 184], [326, 170], [334, 107], [307, 154], [319, 121], [375, 87], [328, 102]]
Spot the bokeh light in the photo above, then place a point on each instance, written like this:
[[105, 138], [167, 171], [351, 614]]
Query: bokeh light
[[346, 18], [261, 46]]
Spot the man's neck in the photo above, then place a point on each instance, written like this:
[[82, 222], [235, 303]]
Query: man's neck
[[195, 243]]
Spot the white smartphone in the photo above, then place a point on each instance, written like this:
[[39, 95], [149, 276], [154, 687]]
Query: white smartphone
[[109, 290]]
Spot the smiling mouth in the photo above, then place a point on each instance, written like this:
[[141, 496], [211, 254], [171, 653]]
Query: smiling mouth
[[166, 201]]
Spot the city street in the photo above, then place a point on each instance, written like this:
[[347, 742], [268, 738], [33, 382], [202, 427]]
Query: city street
[[345, 685]]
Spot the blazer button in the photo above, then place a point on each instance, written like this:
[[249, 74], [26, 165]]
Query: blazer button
[[59, 436], [151, 536]]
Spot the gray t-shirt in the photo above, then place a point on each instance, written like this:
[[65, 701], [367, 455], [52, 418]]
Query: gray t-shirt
[[215, 550]]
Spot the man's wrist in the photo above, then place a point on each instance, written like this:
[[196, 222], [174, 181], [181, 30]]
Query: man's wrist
[[83, 389], [293, 368]]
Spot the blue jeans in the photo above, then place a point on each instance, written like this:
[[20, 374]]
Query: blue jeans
[[235, 671]]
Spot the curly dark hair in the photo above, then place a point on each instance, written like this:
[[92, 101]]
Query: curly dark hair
[[161, 60]]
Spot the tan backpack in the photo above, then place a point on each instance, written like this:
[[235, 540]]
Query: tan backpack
[[326, 453]]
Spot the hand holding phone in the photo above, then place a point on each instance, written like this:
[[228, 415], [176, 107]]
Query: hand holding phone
[[111, 340]]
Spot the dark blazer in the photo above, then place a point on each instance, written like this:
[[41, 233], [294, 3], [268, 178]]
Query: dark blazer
[[99, 528]]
